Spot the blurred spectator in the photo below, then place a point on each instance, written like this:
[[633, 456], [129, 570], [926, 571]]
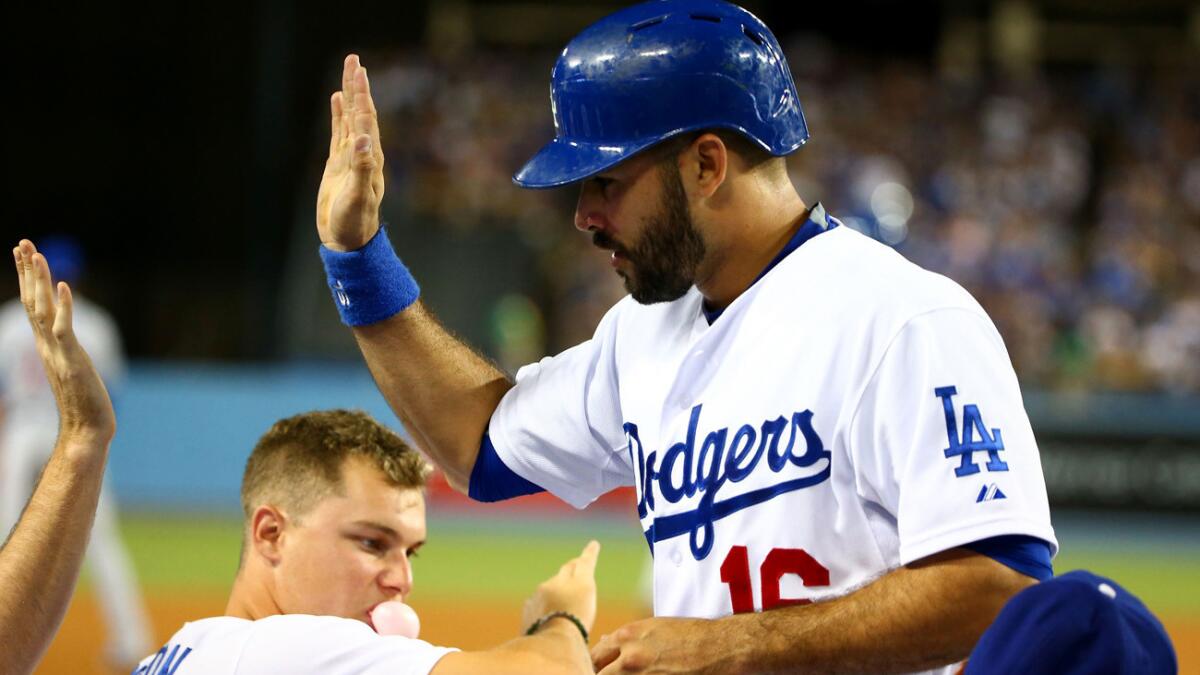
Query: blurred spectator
[[1068, 204]]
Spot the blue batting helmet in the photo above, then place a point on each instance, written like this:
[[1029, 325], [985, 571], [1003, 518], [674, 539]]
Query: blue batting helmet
[[657, 69]]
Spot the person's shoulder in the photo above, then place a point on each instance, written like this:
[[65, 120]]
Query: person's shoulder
[[204, 629], [856, 272], [312, 626]]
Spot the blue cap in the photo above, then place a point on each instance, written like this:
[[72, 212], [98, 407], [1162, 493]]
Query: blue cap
[[1074, 623], [64, 256], [654, 70]]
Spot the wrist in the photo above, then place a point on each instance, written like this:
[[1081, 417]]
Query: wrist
[[559, 621], [349, 245], [84, 437], [369, 284], [83, 449]]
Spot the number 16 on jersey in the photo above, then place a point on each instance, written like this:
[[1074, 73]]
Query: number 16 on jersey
[[735, 573]]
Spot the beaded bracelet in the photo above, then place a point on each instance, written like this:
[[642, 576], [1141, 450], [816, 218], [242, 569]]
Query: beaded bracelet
[[559, 615]]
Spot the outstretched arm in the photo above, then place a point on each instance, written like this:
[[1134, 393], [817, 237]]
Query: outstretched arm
[[557, 646], [922, 616], [39, 563], [441, 389]]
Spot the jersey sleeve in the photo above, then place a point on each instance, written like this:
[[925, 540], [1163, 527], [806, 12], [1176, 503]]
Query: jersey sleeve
[[333, 646], [941, 441], [560, 426]]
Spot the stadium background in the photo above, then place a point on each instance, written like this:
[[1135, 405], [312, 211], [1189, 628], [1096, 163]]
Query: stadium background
[[1046, 154]]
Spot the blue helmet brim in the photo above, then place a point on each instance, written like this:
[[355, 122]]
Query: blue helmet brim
[[562, 161]]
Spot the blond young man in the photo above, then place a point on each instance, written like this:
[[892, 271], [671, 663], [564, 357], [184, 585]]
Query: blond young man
[[334, 512]]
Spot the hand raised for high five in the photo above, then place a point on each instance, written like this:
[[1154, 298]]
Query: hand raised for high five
[[352, 186], [84, 409]]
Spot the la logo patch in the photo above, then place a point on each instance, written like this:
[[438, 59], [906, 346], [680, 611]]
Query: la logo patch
[[973, 426]]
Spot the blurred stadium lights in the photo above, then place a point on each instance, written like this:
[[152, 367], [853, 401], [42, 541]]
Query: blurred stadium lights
[[457, 23], [1020, 35], [892, 204]]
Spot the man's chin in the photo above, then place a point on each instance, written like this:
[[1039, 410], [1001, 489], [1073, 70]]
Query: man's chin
[[655, 296], [652, 294]]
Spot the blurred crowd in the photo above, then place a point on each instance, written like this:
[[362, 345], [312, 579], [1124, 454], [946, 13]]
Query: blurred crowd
[[1067, 203]]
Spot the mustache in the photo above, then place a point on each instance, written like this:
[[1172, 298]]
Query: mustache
[[602, 240]]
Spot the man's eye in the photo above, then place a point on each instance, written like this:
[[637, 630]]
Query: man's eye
[[372, 545], [603, 183], [412, 553]]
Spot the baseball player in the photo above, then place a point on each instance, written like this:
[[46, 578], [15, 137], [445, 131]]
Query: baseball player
[[334, 514], [28, 425], [40, 558], [813, 425]]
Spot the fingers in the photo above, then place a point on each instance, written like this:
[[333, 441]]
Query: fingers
[[25, 273], [605, 652], [586, 562], [348, 67], [354, 112], [20, 271], [337, 130], [43, 293], [366, 118], [63, 315]]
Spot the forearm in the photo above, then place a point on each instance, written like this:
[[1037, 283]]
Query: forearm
[[39, 564], [556, 648], [442, 390], [915, 618]]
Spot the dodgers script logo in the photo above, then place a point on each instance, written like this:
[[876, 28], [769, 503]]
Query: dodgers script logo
[[683, 472]]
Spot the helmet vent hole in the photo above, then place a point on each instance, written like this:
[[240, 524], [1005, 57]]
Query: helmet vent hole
[[706, 17], [646, 23], [754, 37]]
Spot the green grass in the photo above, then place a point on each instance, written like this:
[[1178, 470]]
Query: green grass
[[199, 552], [506, 559], [489, 558], [1167, 583]]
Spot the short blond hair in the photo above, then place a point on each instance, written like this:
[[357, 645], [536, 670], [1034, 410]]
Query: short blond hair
[[298, 462]]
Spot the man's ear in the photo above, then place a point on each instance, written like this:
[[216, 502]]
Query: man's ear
[[705, 164], [266, 533]]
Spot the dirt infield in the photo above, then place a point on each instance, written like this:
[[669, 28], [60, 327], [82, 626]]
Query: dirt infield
[[78, 648]]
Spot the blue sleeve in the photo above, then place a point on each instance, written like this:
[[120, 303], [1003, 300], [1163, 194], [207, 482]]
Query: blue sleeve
[[492, 480], [1028, 555]]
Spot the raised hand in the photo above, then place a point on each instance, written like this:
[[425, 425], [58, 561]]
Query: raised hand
[[352, 186], [84, 409], [572, 589]]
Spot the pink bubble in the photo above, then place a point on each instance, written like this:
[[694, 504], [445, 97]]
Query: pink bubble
[[395, 618]]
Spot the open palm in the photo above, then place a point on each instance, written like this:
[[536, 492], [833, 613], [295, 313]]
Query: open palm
[[352, 185]]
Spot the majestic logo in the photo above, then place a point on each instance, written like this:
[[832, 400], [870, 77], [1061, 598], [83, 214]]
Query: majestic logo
[[683, 472], [964, 448], [990, 493]]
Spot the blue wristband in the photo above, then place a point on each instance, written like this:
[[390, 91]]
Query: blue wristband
[[370, 284]]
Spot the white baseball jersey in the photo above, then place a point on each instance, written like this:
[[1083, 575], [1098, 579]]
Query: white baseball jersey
[[290, 644], [849, 413]]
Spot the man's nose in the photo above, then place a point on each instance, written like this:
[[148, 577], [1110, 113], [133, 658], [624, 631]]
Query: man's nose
[[397, 579], [588, 216]]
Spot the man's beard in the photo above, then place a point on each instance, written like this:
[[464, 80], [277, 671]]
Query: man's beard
[[669, 249]]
